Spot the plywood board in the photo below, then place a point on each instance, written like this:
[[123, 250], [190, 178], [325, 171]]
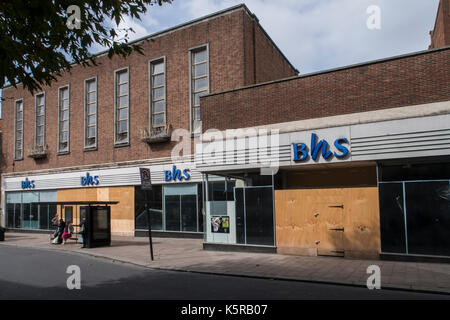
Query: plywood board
[[304, 219], [122, 214]]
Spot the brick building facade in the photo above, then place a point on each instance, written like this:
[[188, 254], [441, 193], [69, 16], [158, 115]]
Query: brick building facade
[[350, 162], [235, 60], [440, 35], [108, 120], [413, 79]]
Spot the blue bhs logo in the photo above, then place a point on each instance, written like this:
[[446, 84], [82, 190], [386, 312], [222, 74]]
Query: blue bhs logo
[[89, 180], [301, 150], [28, 184], [176, 174]]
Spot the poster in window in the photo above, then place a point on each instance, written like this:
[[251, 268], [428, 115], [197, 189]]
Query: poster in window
[[220, 224]]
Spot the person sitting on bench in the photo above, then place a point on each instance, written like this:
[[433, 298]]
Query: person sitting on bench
[[59, 232], [68, 230]]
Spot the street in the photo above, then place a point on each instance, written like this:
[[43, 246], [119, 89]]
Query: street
[[41, 274]]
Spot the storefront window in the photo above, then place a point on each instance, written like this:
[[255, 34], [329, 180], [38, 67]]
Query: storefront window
[[411, 171], [154, 197], [221, 190], [172, 208], [240, 213], [415, 210], [428, 217], [181, 206], [392, 219], [22, 214]]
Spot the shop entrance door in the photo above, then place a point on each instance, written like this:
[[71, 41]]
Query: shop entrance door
[[254, 216]]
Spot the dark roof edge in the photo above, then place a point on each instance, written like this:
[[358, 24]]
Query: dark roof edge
[[270, 39], [171, 29], [352, 66]]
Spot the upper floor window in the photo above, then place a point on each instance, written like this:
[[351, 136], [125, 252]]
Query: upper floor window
[[121, 128], [90, 112], [39, 141], [18, 130], [157, 93], [199, 83], [63, 123]]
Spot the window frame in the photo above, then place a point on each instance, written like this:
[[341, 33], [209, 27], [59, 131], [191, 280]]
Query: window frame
[[59, 151], [15, 129], [35, 119], [116, 121], [86, 114], [150, 89], [192, 50]]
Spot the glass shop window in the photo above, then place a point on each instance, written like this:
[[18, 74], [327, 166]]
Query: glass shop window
[[410, 171], [154, 197]]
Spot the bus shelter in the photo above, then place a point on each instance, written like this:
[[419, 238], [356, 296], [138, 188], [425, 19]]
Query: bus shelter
[[97, 217]]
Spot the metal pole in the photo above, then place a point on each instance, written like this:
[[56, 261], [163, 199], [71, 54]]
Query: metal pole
[[149, 225]]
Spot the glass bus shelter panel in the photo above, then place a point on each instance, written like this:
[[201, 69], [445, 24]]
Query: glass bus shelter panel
[[98, 226]]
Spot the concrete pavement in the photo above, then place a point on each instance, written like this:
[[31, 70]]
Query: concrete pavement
[[188, 255]]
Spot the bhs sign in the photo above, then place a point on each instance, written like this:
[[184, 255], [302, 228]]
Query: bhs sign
[[177, 174], [89, 180], [28, 184], [301, 151]]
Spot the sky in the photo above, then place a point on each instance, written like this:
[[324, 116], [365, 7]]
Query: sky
[[316, 35]]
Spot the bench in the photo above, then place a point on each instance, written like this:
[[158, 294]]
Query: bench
[[71, 238]]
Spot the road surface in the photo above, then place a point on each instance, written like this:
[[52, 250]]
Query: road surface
[[41, 274]]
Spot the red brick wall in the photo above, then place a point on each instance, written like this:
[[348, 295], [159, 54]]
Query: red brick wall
[[223, 33], [411, 80], [440, 36], [263, 61]]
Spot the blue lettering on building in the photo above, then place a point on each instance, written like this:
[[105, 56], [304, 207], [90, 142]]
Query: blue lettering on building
[[28, 184], [301, 151], [176, 174], [89, 180]]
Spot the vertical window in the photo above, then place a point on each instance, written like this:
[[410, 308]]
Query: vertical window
[[157, 93], [122, 107], [40, 121], [199, 83], [63, 132], [18, 134], [90, 112]]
